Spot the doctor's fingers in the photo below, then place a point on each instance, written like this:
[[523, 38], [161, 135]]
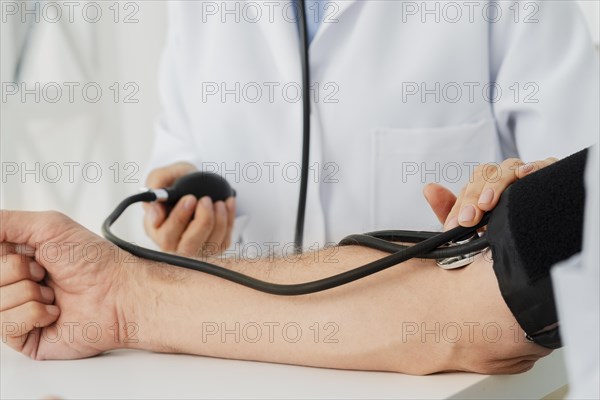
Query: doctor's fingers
[[482, 193], [154, 215], [16, 267], [194, 238], [452, 218], [488, 183], [440, 199], [231, 206], [218, 239], [509, 173], [209, 232], [165, 176], [487, 180], [531, 167], [499, 177], [168, 235]]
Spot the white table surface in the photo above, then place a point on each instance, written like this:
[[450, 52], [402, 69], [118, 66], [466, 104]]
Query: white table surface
[[138, 374]]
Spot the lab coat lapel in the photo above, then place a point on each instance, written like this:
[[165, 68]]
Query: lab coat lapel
[[281, 35], [333, 14]]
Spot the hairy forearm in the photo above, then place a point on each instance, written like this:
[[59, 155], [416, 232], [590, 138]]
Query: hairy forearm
[[413, 318], [356, 326]]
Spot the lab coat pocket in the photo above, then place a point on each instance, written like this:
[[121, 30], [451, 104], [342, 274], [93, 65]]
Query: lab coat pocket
[[404, 160]]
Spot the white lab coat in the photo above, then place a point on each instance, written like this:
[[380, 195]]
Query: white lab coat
[[376, 145]]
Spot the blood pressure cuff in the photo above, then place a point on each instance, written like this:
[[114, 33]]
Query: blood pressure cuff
[[537, 223]]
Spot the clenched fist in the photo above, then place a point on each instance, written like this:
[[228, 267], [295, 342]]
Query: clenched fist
[[62, 288]]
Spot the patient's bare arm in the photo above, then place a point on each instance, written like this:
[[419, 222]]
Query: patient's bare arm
[[413, 318]]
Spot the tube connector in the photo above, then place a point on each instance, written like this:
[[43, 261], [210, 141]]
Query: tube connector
[[161, 195]]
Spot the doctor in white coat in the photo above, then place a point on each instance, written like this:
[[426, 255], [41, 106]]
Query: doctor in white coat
[[403, 93]]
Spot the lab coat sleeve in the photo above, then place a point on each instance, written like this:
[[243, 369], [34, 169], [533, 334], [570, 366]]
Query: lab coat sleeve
[[547, 72], [173, 141]]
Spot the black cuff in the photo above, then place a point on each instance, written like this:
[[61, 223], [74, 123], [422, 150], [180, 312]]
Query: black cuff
[[537, 223]]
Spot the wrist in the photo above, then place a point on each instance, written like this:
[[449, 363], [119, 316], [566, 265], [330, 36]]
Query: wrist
[[133, 306], [147, 310]]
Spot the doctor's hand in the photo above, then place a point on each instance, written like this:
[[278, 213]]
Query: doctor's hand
[[61, 287], [482, 192], [193, 227]]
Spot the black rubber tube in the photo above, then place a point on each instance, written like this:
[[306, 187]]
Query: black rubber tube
[[418, 250], [300, 217], [373, 242]]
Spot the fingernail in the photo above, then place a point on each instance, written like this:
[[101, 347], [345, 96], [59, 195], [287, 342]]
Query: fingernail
[[525, 169], [207, 202], [47, 293], [36, 270], [452, 223], [487, 196], [53, 310], [189, 203], [467, 213]]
